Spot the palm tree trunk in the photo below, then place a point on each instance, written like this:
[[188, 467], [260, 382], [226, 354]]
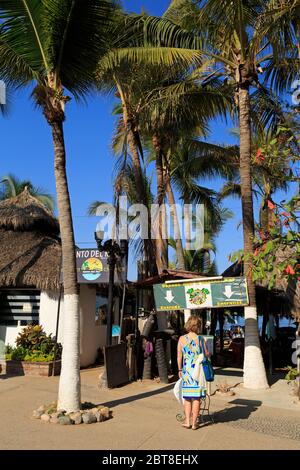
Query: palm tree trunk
[[69, 384], [174, 216], [149, 247], [254, 370], [162, 243]]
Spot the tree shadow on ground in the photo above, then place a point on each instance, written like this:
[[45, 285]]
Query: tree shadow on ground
[[139, 396], [242, 410]]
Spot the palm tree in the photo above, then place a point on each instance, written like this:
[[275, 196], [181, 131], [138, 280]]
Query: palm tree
[[280, 22], [227, 33], [178, 105], [200, 260], [272, 156], [159, 89], [12, 186], [193, 160], [125, 184], [55, 46]]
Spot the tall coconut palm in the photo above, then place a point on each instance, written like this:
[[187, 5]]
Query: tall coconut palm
[[54, 46], [280, 21], [227, 33], [149, 110], [12, 186], [272, 161], [178, 105], [196, 159], [125, 184], [125, 69], [203, 260]]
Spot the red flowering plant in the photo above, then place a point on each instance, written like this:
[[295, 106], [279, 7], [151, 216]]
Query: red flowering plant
[[277, 239], [277, 251]]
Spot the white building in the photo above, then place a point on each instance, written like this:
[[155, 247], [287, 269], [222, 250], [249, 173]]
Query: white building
[[30, 290]]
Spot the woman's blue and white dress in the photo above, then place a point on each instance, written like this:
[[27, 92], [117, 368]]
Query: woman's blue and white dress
[[190, 352]]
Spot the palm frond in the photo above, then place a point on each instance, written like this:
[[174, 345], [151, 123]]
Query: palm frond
[[230, 188]]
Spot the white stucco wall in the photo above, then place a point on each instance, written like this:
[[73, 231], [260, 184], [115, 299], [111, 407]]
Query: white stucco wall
[[92, 336], [48, 314], [8, 334]]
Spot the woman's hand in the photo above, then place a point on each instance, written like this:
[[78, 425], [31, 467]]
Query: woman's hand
[[180, 374]]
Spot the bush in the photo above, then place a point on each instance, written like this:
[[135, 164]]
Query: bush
[[34, 345], [39, 357], [292, 373]]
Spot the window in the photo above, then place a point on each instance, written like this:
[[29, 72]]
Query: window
[[19, 307], [101, 310]]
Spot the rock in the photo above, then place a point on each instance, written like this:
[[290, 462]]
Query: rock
[[42, 408], [55, 415], [64, 420], [99, 417], [54, 420], [89, 418], [45, 418], [94, 410], [76, 417], [37, 414], [105, 412]]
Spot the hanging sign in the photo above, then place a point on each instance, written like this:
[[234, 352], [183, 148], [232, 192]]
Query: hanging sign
[[93, 268], [227, 292]]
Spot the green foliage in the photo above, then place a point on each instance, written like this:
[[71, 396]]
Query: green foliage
[[277, 252], [292, 373], [39, 357], [32, 344], [16, 354], [11, 186], [21, 354]]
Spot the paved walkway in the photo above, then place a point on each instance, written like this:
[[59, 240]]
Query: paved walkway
[[143, 418], [279, 395]]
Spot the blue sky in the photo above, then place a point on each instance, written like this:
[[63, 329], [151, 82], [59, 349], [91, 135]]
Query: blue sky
[[27, 152]]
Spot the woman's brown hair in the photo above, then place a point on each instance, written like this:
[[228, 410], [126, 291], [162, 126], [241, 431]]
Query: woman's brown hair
[[193, 324]]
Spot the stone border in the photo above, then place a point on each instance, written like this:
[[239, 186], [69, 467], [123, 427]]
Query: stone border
[[88, 415]]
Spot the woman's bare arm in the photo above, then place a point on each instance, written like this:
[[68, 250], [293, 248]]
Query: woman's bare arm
[[179, 354]]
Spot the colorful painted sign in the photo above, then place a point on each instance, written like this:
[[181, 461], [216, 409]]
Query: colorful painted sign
[[92, 267], [227, 292]]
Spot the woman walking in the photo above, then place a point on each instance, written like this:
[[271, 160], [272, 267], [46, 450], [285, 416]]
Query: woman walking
[[189, 348]]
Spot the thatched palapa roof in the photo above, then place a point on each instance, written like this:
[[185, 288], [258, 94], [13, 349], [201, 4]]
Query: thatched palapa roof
[[26, 213], [30, 250], [29, 259]]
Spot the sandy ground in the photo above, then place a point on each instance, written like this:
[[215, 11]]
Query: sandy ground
[[144, 417]]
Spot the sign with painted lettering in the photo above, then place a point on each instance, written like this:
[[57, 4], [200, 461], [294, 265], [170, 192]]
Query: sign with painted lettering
[[226, 292], [93, 268]]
